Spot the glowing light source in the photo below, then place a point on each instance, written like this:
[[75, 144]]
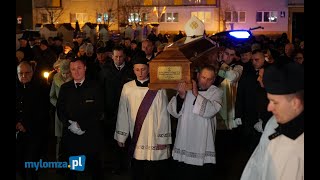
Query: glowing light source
[[46, 75], [240, 34], [272, 18]]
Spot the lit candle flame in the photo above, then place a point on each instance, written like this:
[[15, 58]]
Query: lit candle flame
[[46, 74]]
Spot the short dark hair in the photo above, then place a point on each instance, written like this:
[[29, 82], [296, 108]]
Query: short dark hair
[[101, 50], [44, 42], [257, 51], [79, 59], [231, 46], [118, 48], [208, 67]]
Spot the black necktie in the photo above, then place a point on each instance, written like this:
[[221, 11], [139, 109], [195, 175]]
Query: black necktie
[[119, 68], [78, 85]]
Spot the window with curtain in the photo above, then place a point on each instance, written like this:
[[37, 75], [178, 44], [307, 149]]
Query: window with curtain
[[170, 17], [235, 16], [267, 16], [203, 16]]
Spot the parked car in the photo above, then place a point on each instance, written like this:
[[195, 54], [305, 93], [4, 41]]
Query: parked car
[[235, 37]]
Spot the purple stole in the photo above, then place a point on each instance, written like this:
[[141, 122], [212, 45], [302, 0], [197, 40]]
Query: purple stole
[[141, 115]]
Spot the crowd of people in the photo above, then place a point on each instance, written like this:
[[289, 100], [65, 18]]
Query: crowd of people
[[97, 95]]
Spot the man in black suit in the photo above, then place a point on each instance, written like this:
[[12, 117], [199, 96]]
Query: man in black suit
[[114, 76], [80, 107]]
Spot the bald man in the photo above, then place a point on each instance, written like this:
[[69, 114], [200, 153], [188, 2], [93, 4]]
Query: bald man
[[32, 115]]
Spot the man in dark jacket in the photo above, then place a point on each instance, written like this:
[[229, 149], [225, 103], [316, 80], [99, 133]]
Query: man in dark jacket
[[32, 115], [95, 67], [114, 76], [25, 48], [45, 59], [80, 108]]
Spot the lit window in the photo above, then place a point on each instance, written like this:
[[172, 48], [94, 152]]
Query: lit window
[[195, 2], [105, 17], [203, 16], [144, 17], [267, 16], [134, 18], [99, 18], [170, 17]]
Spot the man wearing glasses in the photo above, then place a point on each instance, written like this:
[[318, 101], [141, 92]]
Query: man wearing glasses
[[32, 114]]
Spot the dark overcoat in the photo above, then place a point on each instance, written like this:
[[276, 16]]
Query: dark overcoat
[[85, 106], [32, 109], [113, 80]]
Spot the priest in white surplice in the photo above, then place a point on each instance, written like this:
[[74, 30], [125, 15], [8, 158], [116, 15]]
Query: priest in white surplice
[[152, 149], [280, 152], [196, 110]]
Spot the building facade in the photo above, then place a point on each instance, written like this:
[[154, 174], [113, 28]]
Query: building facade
[[171, 15], [296, 19]]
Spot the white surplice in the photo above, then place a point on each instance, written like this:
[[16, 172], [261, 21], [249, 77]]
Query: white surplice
[[194, 143], [156, 128], [281, 158]]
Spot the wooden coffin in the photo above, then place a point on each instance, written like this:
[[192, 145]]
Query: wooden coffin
[[179, 61]]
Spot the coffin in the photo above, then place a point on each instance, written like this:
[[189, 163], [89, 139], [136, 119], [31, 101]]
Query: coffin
[[180, 62]]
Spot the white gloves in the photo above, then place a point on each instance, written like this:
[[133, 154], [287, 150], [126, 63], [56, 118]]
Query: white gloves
[[74, 128], [238, 121], [258, 126]]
